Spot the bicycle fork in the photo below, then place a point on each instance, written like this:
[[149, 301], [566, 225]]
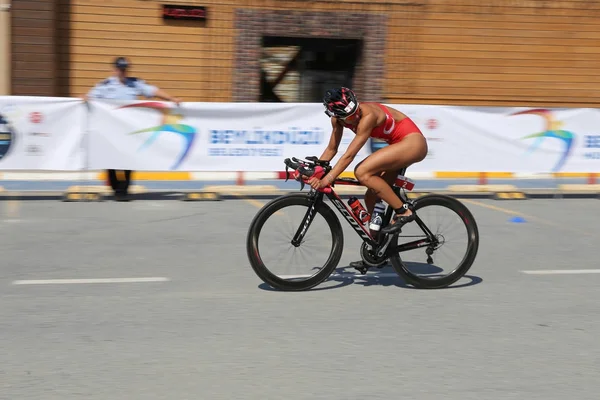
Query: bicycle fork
[[306, 221], [380, 246], [315, 200]]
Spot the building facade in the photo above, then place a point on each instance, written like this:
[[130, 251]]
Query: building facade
[[5, 46], [470, 52]]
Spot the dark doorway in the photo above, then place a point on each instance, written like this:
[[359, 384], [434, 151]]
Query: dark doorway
[[301, 69]]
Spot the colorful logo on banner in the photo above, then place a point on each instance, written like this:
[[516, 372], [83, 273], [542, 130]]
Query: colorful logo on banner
[[169, 123], [552, 131], [7, 136]]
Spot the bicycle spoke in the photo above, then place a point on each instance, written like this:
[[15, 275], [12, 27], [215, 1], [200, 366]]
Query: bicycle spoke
[[304, 260], [449, 230]]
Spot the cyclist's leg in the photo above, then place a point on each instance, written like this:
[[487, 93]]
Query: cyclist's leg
[[411, 149], [370, 200], [371, 197], [384, 166]]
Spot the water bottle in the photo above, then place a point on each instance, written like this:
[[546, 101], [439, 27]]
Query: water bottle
[[358, 210], [377, 217]]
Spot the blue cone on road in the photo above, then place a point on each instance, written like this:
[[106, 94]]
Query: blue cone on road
[[517, 220]]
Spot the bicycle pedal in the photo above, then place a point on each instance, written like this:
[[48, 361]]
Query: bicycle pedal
[[362, 270]]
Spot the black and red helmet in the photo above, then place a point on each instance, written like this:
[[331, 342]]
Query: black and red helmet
[[340, 102]]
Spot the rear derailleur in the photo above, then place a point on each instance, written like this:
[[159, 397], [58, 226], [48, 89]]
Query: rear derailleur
[[436, 243], [429, 252]]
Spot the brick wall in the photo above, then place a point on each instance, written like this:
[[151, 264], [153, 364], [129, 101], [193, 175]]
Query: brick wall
[[252, 25]]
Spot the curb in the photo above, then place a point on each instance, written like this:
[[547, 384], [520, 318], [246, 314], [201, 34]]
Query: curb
[[217, 193]]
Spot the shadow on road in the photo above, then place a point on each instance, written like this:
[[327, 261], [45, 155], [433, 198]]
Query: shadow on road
[[386, 276]]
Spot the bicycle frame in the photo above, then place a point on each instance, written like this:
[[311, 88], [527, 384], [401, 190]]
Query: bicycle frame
[[382, 244]]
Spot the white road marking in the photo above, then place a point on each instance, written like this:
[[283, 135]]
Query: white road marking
[[562, 271], [99, 280]]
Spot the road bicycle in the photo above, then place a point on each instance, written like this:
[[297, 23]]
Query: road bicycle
[[375, 249]]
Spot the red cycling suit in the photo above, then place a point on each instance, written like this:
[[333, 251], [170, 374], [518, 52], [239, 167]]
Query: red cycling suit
[[390, 131]]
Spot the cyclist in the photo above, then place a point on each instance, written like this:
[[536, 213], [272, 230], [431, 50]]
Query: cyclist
[[406, 146]]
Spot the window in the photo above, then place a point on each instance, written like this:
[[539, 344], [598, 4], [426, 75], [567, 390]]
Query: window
[[301, 69]]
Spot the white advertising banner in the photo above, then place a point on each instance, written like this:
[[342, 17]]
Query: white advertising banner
[[41, 133], [518, 140], [160, 136], [38, 133]]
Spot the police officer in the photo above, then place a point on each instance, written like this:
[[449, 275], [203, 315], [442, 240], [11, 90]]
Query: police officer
[[120, 86]]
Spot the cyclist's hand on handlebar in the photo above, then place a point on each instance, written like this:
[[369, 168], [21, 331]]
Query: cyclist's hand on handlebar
[[317, 183]]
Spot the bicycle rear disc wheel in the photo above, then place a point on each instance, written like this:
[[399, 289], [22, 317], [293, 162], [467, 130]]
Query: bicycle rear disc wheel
[[469, 232], [277, 213]]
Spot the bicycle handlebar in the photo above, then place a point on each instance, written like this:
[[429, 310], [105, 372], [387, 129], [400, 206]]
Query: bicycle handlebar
[[308, 168]]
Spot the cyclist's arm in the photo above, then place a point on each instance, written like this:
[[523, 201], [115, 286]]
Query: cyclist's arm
[[334, 141], [363, 133]]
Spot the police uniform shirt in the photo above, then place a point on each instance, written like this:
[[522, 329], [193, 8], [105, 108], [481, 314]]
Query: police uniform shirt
[[113, 88]]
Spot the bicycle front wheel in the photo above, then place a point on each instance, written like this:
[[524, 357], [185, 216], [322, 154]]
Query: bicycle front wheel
[[457, 238], [279, 221]]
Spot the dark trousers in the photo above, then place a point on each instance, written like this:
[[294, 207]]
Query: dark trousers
[[119, 180]]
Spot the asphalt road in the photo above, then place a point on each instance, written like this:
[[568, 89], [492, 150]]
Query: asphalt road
[[209, 328]]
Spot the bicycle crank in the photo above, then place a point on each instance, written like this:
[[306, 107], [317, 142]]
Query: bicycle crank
[[370, 258]]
